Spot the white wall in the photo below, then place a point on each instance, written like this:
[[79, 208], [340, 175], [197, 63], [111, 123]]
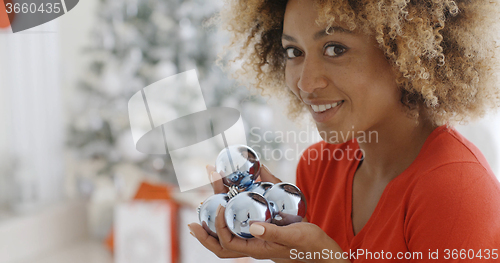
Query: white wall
[[33, 133], [485, 134], [39, 69]]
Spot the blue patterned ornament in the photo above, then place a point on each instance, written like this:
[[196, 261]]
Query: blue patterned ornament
[[239, 166]]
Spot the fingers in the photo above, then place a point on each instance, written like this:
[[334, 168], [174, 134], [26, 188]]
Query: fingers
[[267, 176], [290, 235], [225, 235], [211, 243], [226, 238], [216, 180], [287, 219], [253, 247]]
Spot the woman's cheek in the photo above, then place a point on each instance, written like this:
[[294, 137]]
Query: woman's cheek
[[290, 82]]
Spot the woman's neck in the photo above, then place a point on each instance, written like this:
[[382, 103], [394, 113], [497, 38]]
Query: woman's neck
[[397, 145]]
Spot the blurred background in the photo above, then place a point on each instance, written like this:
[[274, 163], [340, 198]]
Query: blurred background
[[73, 187]]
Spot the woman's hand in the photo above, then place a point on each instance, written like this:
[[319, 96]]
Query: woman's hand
[[197, 230], [276, 242], [271, 242]]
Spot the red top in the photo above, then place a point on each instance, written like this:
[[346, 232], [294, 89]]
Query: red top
[[447, 201]]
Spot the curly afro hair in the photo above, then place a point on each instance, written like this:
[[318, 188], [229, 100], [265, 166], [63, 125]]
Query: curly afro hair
[[444, 52]]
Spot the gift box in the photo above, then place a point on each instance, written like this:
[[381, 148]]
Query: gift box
[[145, 229]]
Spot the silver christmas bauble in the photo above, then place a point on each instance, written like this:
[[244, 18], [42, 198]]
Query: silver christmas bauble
[[238, 165], [208, 209], [260, 187], [287, 203], [244, 209]]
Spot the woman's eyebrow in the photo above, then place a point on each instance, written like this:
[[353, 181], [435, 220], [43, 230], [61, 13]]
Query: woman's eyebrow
[[319, 34], [287, 37]]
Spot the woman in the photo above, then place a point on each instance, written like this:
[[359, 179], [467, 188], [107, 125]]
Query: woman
[[402, 71]]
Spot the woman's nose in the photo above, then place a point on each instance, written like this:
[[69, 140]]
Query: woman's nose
[[312, 76]]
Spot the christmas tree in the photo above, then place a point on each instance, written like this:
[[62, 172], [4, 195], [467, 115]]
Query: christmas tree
[[136, 43]]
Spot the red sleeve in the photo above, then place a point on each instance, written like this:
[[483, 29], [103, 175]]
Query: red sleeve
[[455, 209]]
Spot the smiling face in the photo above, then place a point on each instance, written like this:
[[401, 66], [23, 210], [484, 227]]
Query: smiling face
[[343, 78]]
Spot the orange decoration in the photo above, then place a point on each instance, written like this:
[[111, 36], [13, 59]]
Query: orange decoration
[[4, 17], [152, 192]]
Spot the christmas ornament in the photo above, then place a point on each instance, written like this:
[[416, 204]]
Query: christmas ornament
[[260, 187], [287, 202], [207, 212], [244, 209], [249, 201], [239, 166]]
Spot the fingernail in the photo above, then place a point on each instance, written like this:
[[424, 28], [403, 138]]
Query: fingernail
[[257, 230], [191, 230]]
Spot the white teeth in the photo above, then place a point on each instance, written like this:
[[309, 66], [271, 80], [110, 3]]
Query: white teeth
[[321, 108]]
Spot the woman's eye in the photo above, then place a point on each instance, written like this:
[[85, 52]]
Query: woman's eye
[[334, 50], [292, 52]]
